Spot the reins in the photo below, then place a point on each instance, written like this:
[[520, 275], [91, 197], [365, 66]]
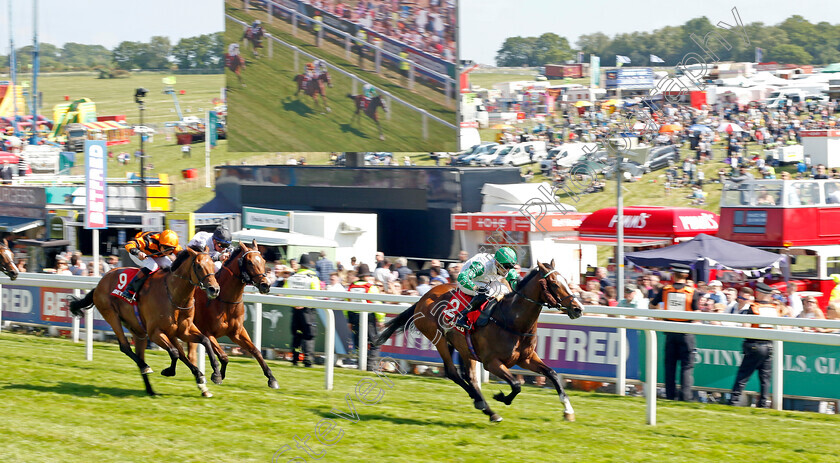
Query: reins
[[201, 284]]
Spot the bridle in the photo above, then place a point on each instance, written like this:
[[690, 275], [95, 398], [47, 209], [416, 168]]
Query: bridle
[[193, 271], [7, 265], [547, 296], [244, 274]]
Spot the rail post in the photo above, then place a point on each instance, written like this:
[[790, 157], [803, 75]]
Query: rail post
[[270, 11], [410, 75], [650, 376], [362, 344], [390, 108], [329, 347], [447, 88], [377, 60], [1, 308], [778, 374], [89, 335], [75, 321], [258, 325], [294, 23], [425, 117], [244, 40], [621, 368], [347, 47], [355, 90], [270, 45], [296, 60]]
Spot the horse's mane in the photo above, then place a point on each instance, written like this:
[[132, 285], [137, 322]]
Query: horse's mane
[[530, 276], [234, 255], [182, 256]]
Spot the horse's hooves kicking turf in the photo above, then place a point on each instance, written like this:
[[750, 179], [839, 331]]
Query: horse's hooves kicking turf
[[495, 418], [569, 416], [147, 371], [168, 372], [273, 384], [217, 379]]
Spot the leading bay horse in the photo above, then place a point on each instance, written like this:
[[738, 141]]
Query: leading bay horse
[[510, 340], [314, 87], [7, 261], [165, 309], [225, 315], [235, 63], [369, 107]]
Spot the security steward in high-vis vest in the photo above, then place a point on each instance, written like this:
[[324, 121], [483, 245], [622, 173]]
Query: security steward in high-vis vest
[[316, 28], [404, 65], [679, 347], [304, 328], [361, 38], [758, 353], [366, 283]]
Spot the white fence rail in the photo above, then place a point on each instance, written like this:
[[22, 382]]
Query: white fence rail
[[357, 81], [287, 297]]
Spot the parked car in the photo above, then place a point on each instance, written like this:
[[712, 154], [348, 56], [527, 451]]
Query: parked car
[[657, 158], [487, 158], [467, 158], [595, 163], [522, 153], [566, 155]]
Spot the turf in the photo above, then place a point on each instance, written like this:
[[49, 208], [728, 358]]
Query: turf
[[267, 116], [58, 407]]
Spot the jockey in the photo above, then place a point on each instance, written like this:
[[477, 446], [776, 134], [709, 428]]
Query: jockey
[[310, 72], [482, 275], [219, 243], [150, 251], [368, 91], [233, 49], [320, 66]]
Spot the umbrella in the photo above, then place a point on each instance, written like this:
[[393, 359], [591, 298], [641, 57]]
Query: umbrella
[[700, 128], [582, 103], [502, 127], [670, 128], [612, 102], [729, 127]]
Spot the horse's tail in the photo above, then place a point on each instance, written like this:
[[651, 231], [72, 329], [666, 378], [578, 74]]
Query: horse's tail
[[395, 325], [78, 306]]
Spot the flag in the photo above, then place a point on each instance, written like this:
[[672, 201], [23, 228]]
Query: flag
[[758, 54], [656, 59], [619, 60]]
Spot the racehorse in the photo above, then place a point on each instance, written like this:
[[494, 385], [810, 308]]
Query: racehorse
[[255, 38], [164, 311], [314, 87], [235, 63], [510, 340], [225, 315], [369, 110], [7, 261]]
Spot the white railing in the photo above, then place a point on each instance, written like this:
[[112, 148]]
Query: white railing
[[449, 82], [389, 97], [287, 297]]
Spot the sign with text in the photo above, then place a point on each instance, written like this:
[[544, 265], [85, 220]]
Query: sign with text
[[96, 205], [266, 219], [43, 306]]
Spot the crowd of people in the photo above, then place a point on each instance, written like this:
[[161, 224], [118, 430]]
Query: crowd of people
[[427, 26]]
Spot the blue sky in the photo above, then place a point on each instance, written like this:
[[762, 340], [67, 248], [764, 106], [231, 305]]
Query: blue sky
[[108, 23], [485, 24]]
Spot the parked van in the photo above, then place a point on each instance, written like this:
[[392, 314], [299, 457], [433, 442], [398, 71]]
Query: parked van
[[467, 138], [794, 95], [567, 155], [522, 153]]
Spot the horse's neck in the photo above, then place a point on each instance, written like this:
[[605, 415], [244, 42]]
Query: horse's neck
[[181, 288], [522, 314], [231, 283]]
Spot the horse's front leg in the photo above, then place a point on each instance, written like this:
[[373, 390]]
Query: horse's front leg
[[496, 367], [535, 364], [379, 126]]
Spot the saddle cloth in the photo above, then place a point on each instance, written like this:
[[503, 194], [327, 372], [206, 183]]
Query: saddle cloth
[[123, 278], [460, 302]]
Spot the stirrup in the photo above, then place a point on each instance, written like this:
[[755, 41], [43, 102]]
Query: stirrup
[[130, 297], [462, 320]]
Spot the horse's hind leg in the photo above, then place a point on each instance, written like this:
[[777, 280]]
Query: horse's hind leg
[[452, 373], [241, 338], [535, 364], [468, 373], [379, 126], [496, 367], [194, 335], [110, 316]]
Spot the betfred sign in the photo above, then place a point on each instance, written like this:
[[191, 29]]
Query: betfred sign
[[42, 306], [55, 305]]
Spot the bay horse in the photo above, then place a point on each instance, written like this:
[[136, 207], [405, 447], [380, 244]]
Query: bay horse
[[510, 340], [165, 309], [370, 110], [7, 261], [225, 315], [236, 63], [254, 36], [313, 88]]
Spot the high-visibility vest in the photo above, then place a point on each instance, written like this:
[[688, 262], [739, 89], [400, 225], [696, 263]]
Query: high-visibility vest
[[765, 310], [317, 18], [362, 286], [677, 300], [361, 37], [404, 65]]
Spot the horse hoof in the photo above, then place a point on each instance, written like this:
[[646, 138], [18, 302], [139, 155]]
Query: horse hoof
[[146, 371], [382, 137], [501, 398], [272, 383], [480, 404], [569, 416], [207, 394], [217, 379], [168, 372], [495, 418]]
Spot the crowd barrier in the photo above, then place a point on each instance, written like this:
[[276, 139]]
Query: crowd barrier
[[600, 341]]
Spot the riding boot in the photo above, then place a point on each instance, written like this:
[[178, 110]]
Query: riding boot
[[475, 304], [134, 285]]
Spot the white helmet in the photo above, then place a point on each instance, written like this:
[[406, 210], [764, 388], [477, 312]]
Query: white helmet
[[367, 87], [257, 22]]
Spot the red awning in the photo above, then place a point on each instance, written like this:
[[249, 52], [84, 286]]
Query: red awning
[[612, 241], [652, 221], [518, 221]]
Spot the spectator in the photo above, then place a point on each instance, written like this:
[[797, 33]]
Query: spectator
[[601, 275], [304, 329], [610, 295], [632, 298], [383, 273], [324, 267], [811, 310], [793, 300], [435, 264], [716, 292], [757, 352], [402, 268], [424, 285], [366, 283], [77, 267], [335, 283]]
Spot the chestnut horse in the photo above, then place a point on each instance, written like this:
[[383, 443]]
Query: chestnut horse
[[165, 309], [7, 261], [255, 38], [370, 110], [313, 88], [235, 63], [225, 315], [510, 340]]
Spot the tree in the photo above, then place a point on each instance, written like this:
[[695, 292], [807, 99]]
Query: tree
[[790, 54], [551, 48], [593, 43], [516, 51], [127, 55]]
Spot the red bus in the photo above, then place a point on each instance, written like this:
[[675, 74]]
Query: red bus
[[800, 218]]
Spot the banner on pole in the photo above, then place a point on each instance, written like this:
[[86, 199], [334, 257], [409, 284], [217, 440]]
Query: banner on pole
[[96, 206]]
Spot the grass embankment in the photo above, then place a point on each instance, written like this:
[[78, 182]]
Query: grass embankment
[[58, 407]]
